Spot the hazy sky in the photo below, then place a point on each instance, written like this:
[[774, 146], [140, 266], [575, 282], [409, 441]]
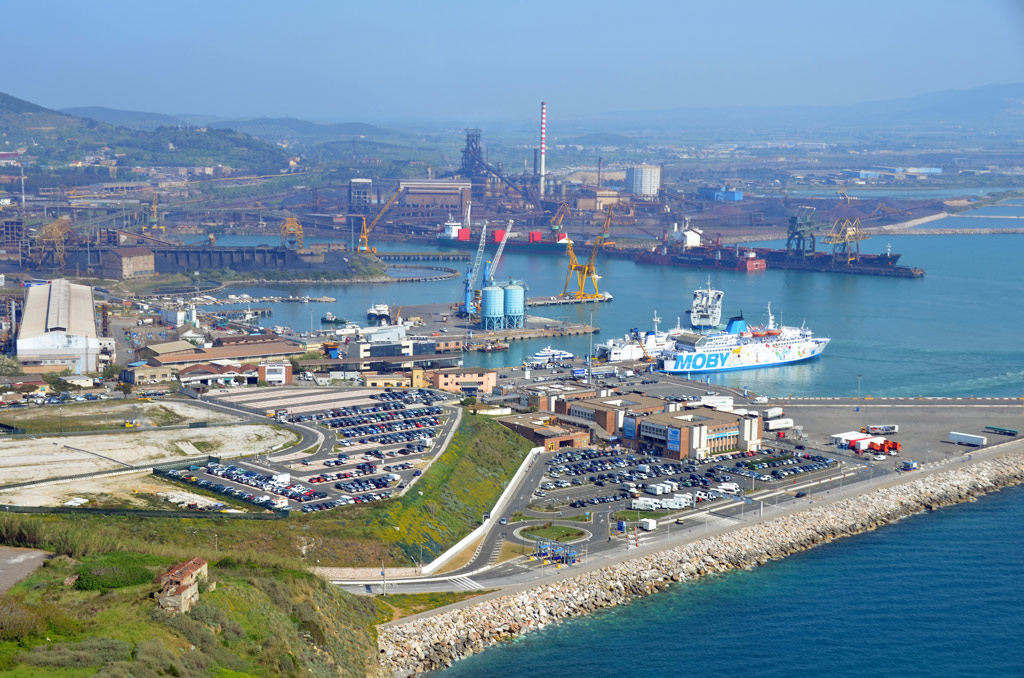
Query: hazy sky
[[389, 61]]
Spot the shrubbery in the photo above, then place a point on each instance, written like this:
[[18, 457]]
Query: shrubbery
[[113, 571], [89, 652]]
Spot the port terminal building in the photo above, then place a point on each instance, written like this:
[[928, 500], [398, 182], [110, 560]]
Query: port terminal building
[[543, 430], [700, 433], [58, 329]]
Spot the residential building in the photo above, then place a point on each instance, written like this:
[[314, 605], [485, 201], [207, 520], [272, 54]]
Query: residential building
[[466, 380]]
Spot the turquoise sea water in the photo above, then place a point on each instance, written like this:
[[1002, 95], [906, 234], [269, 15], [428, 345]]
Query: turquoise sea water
[[954, 332], [937, 594]]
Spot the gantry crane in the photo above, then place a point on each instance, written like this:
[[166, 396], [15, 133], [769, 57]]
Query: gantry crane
[[50, 244], [587, 271], [492, 265], [364, 233], [291, 233], [469, 302], [845, 238]]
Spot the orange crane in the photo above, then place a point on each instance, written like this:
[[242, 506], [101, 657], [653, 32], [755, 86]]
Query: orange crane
[[364, 233], [50, 244], [563, 211]]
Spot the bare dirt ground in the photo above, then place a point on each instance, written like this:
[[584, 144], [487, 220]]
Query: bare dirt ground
[[42, 457], [110, 414], [16, 564], [132, 488]]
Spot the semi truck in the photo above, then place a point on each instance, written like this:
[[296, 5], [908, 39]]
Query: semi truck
[[967, 439], [778, 424], [773, 412], [880, 429]]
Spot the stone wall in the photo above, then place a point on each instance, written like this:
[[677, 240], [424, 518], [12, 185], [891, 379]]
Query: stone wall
[[434, 642]]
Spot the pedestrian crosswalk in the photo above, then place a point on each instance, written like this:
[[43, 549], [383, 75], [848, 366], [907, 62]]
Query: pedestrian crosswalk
[[466, 583]]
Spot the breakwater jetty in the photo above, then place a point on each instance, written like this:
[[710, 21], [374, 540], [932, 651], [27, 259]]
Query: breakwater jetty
[[421, 644]]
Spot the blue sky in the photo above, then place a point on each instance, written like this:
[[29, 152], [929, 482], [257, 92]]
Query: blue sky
[[390, 61]]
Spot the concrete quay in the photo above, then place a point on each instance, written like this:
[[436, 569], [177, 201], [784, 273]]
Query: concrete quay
[[435, 640]]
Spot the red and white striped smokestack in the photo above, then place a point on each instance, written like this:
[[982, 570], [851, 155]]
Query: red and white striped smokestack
[[543, 142]]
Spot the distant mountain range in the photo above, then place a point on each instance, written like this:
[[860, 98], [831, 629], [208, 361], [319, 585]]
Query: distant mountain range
[[991, 107], [292, 130]]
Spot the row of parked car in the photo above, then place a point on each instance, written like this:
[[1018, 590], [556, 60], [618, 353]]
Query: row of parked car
[[186, 475], [409, 396], [294, 491]]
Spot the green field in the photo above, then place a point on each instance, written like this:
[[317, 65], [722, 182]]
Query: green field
[[555, 532]]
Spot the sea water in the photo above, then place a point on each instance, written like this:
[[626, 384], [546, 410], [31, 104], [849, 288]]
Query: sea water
[[954, 332], [937, 594]]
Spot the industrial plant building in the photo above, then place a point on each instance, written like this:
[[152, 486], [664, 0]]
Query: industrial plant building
[[699, 433], [126, 263], [643, 180], [58, 329]]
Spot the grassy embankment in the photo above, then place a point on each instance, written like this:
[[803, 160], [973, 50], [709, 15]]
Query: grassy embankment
[[261, 620], [267, 617]]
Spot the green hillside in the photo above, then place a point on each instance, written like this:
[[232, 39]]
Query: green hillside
[[52, 137]]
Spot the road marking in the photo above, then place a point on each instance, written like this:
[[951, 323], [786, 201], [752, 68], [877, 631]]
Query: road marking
[[466, 583]]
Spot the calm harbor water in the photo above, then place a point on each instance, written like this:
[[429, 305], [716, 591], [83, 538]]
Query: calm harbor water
[[934, 595], [953, 332]]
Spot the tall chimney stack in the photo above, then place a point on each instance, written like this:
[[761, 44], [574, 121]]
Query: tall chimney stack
[[543, 142]]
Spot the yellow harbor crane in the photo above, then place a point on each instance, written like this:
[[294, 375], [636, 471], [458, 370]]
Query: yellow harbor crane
[[587, 271], [845, 238], [50, 244], [364, 233], [291, 233]]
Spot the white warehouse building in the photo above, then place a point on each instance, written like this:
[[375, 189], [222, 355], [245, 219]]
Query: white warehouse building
[[58, 329], [643, 180]]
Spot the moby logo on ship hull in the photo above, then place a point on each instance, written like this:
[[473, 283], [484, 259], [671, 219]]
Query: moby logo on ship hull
[[701, 361]]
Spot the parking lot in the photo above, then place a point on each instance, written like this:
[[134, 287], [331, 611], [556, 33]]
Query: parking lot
[[589, 478], [377, 442]]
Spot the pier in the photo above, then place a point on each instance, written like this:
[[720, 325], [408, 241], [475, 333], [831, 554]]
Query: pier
[[268, 300], [244, 313], [566, 301], [423, 256]]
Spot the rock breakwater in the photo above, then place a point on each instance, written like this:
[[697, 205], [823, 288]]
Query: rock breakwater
[[435, 642]]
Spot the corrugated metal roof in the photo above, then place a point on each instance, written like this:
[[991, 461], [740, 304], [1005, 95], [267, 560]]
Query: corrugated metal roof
[[58, 306]]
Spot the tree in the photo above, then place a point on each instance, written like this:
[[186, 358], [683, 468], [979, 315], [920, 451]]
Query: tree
[[111, 371], [10, 367], [125, 388]]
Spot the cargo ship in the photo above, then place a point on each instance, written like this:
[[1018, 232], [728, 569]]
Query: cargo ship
[[454, 234], [863, 264], [741, 347], [705, 256]]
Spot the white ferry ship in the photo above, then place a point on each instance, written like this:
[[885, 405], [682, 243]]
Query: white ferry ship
[[548, 354], [636, 345], [742, 348]]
